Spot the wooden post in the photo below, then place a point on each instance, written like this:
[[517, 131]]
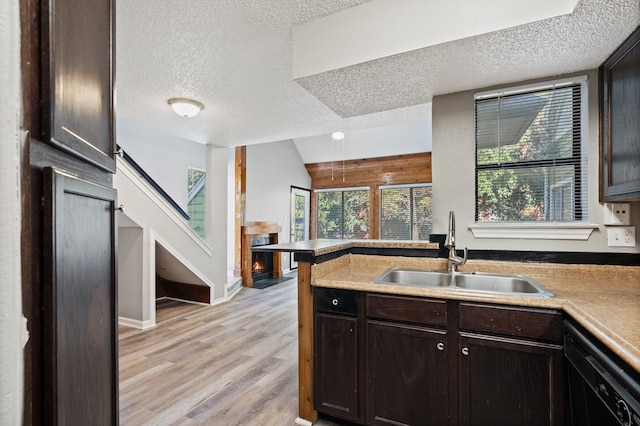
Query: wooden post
[[240, 204], [305, 344]]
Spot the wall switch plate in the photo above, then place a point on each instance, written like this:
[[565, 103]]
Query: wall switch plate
[[617, 214], [621, 236]]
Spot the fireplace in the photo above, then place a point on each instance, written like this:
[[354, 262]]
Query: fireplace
[[259, 265]]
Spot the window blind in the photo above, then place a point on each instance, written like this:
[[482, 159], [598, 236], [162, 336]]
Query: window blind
[[530, 159]]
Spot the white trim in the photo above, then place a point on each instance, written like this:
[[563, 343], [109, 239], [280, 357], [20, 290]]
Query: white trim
[[166, 208], [141, 325], [409, 185], [534, 231], [303, 422], [531, 87]]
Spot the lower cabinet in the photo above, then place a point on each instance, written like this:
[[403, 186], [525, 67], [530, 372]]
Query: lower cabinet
[[398, 360], [338, 354], [337, 361], [511, 365], [508, 382], [406, 375]]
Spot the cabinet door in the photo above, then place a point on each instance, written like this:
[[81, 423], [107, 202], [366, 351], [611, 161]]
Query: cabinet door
[[79, 302], [336, 366], [78, 82], [510, 382], [406, 375], [620, 123]]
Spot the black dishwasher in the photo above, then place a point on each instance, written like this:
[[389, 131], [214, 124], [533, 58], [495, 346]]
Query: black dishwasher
[[603, 389]]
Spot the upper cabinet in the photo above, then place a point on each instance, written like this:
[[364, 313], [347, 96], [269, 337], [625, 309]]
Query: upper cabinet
[[620, 123], [77, 80]]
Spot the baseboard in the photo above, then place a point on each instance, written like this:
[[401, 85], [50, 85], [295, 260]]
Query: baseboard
[[303, 422], [233, 286], [141, 325]]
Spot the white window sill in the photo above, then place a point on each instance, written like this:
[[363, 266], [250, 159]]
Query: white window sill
[[534, 231]]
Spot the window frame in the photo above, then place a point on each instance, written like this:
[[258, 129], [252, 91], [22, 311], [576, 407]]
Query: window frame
[[416, 185], [342, 190], [548, 229]]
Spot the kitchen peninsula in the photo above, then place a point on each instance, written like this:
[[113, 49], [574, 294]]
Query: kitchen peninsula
[[604, 299]]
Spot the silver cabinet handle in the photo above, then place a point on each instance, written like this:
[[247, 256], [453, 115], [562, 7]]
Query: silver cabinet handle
[[121, 208], [440, 346], [465, 351], [334, 302]]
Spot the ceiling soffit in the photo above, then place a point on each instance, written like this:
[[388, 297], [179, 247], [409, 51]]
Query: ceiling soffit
[[559, 45]]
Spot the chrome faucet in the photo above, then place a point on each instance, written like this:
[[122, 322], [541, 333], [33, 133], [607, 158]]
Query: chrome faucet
[[454, 260]]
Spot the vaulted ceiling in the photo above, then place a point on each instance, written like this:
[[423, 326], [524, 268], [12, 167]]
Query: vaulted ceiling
[[237, 58]]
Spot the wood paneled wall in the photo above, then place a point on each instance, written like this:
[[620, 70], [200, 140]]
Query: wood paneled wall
[[371, 172], [394, 170]]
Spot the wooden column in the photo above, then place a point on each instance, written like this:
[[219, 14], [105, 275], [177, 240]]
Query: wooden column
[[240, 204], [305, 344]]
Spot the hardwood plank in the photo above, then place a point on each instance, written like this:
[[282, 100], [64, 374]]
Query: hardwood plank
[[232, 364]]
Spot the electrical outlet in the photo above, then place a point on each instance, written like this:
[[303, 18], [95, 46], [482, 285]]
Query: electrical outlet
[[617, 214], [621, 236]]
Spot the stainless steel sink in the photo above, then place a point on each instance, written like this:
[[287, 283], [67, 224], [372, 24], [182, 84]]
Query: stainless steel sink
[[464, 281], [414, 277]]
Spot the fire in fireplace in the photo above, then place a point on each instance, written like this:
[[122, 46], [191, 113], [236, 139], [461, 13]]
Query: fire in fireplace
[[262, 263]]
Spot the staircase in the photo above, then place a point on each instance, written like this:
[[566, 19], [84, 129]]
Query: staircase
[[159, 255]]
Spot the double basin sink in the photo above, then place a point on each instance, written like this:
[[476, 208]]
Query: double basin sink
[[476, 282]]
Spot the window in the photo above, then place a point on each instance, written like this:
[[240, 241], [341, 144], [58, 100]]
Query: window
[[343, 213], [405, 212], [196, 200], [530, 158]]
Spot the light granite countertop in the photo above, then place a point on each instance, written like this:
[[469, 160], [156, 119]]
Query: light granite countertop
[[605, 299]]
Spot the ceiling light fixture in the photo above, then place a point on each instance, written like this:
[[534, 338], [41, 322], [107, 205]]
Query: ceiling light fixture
[[185, 107], [338, 136]]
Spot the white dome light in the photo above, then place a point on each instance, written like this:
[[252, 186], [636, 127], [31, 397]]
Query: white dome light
[[185, 107]]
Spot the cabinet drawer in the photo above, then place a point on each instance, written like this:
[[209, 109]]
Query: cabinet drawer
[[535, 323], [336, 300], [400, 308]]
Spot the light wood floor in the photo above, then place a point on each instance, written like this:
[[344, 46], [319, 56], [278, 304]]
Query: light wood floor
[[230, 364]]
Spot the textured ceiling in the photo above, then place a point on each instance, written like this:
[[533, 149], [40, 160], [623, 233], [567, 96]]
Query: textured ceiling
[[565, 44], [235, 56]]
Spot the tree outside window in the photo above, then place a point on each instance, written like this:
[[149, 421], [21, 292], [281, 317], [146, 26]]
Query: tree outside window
[[343, 214], [529, 157], [405, 213], [196, 200]]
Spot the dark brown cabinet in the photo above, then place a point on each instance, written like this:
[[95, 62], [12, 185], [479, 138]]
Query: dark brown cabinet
[[511, 365], [78, 80], [620, 123], [69, 226], [406, 375], [509, 381], [338, 357], [80, 318], [437, 362], [406, 361]]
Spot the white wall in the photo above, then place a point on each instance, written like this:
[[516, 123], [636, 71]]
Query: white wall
[[165, 157], [453, 162], [272, 169], [12, 325], [130, 274], [220, 214]]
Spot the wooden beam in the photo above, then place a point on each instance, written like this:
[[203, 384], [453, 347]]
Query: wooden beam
[[305, 344], [240, 204]]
